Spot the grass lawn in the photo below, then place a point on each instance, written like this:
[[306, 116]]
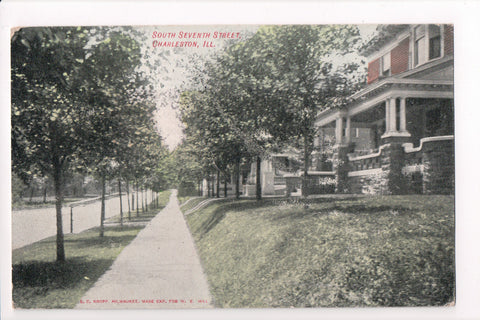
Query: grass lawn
[[41, 282], [368, 251]]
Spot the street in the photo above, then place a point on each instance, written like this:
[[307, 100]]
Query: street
[[32, 225]]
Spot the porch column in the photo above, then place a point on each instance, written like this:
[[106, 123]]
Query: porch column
[[338, 130], [347, 130], [393, 115], [387, 116], [403, 115]]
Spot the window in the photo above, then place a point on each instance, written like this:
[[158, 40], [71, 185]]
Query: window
[[385, 65], [434, 41], [427, 43], [419, 50]]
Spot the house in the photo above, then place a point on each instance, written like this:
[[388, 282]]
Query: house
[[396, 135]]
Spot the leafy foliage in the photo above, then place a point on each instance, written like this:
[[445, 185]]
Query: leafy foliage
[[263, 93], [80, 101]]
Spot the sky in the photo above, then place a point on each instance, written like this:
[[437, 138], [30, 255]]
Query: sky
[[175, 65]]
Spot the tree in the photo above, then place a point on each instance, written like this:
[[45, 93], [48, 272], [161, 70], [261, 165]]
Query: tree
[[112, 79], [46, 112], [300, 80], [276, 82], [77, 100]]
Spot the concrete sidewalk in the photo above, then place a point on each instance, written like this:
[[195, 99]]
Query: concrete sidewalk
[[159, 269]]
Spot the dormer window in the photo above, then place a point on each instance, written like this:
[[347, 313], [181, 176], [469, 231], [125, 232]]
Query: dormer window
[[427, 43], [385, 65]]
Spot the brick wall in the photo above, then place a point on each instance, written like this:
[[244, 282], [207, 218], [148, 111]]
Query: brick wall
[[369, 184], [373, 70], [399, 57], [448, 36], [438, 175], [439, 167]]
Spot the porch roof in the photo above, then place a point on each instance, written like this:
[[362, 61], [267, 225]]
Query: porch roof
[[391, 87]]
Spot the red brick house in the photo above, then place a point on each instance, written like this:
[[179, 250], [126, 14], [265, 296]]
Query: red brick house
[[396, 134]]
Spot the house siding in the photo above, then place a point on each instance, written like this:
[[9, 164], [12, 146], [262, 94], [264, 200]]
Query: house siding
[[373, 70], [448, 39], [399, 57]]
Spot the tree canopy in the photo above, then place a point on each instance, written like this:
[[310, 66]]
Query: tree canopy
[[79, 100], [264, 93]]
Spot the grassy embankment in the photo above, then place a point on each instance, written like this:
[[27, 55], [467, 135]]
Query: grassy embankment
[[41, 282], [185, 206], [372, 251]]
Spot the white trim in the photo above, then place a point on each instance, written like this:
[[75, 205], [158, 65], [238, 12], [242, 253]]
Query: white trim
[[372, 155], [320, 173], [395, 80], [396, 134], [408, 147], [364, 106], [413, 168], [369, 103], [328, 119], [365, 172]]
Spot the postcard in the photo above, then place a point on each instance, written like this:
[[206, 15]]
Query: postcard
[[307, 166]]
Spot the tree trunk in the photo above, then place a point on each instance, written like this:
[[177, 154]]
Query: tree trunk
[[208, 188], [259, 186], [58, 184], [143, 201], [31, 194], [306, 157], [213, 185], [225, 186], [133, 198], [138, 213], [237, 179], [102, 211], [212, 193], [120, 196], [128, 200], [45, 194], [128, 194], [218, 184]]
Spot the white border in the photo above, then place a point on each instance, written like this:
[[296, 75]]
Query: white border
[[463, 14]]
